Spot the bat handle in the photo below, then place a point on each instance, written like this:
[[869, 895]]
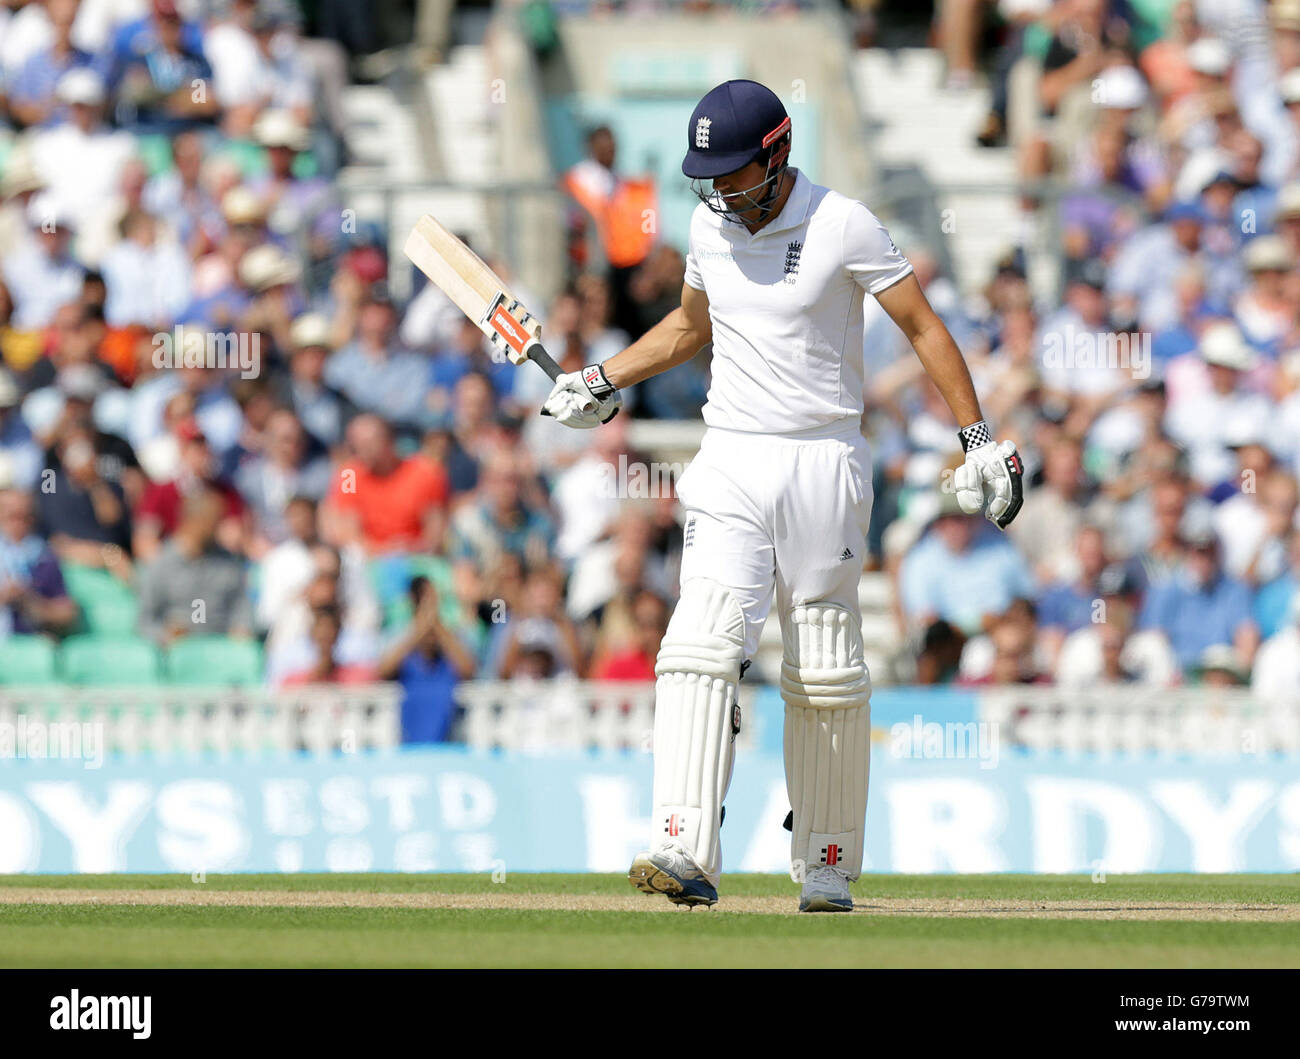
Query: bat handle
[[538, 355]]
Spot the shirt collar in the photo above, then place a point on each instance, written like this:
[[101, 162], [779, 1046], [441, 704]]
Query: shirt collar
[[795, 209]]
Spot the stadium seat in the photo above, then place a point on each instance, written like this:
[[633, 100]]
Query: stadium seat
[[91, 659], [156, 153], [27, 660], [108, 607], [110, 616], [215, 660]]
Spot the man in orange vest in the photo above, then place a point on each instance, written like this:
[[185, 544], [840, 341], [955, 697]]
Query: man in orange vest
[[624, 211]]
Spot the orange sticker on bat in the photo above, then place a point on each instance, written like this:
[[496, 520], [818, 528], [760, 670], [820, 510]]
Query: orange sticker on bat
[[510, 329]]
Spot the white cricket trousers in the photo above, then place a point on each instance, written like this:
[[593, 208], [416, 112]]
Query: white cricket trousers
[[778, 516]]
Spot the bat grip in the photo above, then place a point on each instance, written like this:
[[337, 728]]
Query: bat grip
[[538, 355]]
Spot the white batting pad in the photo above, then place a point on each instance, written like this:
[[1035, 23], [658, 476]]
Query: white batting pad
[[827, 692], [697, 718]]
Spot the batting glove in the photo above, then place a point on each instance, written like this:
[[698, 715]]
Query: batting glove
[[992, 472], [583, 399]]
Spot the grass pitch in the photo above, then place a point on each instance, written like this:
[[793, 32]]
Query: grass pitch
[[599, 921]]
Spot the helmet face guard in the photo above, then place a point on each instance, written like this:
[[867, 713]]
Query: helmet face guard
[[761, 198]]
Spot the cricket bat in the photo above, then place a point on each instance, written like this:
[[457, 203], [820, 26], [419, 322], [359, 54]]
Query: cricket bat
[[478, 292]]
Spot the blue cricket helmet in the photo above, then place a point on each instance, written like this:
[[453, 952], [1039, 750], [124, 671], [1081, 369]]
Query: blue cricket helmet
[[733, 125]]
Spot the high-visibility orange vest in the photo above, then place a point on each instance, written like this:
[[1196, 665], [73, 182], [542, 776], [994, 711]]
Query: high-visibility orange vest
[[627, 221]]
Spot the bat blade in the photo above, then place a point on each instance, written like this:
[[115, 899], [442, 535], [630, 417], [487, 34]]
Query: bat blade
[[477, 291]]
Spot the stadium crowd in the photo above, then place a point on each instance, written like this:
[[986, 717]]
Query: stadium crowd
[[1156, 403], [364, 490]]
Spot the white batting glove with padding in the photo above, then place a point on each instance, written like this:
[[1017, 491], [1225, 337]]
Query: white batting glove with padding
[[583, 399], [991, 472]]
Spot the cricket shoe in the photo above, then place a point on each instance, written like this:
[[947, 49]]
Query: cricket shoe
[[825, 889], [670, 871]]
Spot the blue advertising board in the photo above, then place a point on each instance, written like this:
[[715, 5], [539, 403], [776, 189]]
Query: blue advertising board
[[450, 809]]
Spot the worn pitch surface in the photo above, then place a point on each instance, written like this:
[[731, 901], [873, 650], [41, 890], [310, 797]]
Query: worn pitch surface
[[597, 920]]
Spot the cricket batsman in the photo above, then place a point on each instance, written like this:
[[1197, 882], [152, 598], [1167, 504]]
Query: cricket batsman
[[778, 500]]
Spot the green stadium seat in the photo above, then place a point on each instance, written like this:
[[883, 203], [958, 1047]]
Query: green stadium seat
[[91, 659], [27, 660], [111, 617], [215, 660], [108, 607], [156, 152]]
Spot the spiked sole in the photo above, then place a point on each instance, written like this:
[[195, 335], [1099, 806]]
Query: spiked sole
[[649, 878]]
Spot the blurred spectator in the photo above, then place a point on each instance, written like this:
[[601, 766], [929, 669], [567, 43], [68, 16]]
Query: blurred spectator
[[1263, 309], [322, 410], [1276, 677], [940, 654], [473, 433], [20, 454], [1013, 659], [1276, 597], [462, 356], [1068, 605], [81, 159], [960, 572], [159, 513], [382, 501], [1109, 649], [1219, 667], [325, 581], [621, 209], [502, 518], [85, 518], [1202, 606], [182, 200], [282, 471], [31, 96], [326, 667], [633, 658], [428, 660], [1046, 528], [1143, 275], [41, 273], [159, 75], [540, 640], [147, 276], [32, 594], [1255, 523], [376, 374], [193, 586], [1205, 419], [298, 208], [69, 405]]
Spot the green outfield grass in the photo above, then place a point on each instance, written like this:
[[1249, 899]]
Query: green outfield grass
[[596, 920]]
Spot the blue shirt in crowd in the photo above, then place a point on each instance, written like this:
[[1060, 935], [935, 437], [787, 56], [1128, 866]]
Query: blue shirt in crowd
[[1195, 617]]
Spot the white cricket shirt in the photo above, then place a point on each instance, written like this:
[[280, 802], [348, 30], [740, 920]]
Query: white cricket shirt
[[786, 307]]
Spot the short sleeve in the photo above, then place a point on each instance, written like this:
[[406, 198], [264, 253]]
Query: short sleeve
[[870, 254], [693, 276]]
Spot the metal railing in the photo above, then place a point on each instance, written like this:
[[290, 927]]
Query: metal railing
[[1134, 719], [555, 714], [170, 719]]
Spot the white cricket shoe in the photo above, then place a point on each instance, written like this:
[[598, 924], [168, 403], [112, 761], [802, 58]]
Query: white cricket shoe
[[671, 871], [825, 889]]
